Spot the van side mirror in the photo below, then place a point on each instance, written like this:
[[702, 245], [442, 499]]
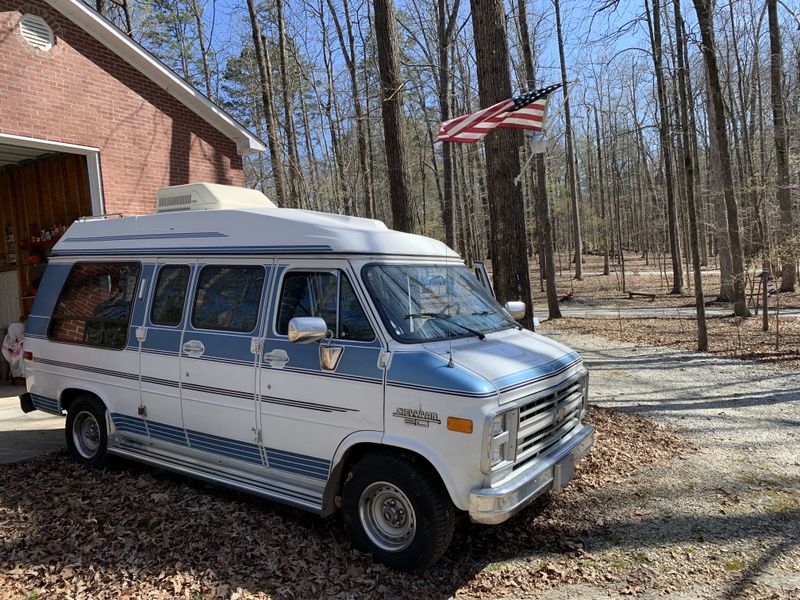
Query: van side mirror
[[305, 330], [516, 309]]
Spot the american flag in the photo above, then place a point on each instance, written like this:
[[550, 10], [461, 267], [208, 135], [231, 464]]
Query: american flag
[[522, 112]]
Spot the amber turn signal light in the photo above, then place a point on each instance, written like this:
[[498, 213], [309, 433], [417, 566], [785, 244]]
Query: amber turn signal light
[[458, 424]]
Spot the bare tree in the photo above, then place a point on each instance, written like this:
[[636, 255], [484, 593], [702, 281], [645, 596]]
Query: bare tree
[[542, 200], [507, 215], [654, 22], [268, 104], [788, 260], [570, 158], [393, 117], [704, 18], [689, 169]]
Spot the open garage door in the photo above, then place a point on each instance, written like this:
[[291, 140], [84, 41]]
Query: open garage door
[[41, 193]]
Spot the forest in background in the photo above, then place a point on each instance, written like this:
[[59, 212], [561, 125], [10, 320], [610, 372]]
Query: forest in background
[[632, 145]]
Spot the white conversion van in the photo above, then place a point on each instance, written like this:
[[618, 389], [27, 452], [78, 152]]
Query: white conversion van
[[319, 360]]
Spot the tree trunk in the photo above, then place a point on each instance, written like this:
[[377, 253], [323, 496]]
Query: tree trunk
[[788, 260], [509, 260], [393, 117], [349, 53], [542, 200], [295, 176], [570, 158], [197, 12], [445, 27], [688, 163], [265, 80], [704, 19], [666, 147]]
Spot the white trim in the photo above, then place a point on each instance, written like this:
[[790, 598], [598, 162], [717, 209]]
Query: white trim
[[92, 162], [106, 33]]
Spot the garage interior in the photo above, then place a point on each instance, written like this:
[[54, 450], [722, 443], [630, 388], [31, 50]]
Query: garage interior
[[41, 194]]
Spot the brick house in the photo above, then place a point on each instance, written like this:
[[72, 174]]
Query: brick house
[[92, 123]]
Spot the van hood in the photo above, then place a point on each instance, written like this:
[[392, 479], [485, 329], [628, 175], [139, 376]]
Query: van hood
[[515, 362]]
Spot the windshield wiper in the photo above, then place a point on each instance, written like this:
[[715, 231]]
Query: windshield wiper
[[449, 319]]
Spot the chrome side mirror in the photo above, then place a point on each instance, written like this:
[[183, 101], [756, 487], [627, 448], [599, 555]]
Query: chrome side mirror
[[305, 330], [516, 309]]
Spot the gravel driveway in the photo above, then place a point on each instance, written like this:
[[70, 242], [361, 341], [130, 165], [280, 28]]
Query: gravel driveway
[[723, 521]]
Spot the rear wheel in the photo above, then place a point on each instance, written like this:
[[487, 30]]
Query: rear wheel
[[398, 511], [87, 437]]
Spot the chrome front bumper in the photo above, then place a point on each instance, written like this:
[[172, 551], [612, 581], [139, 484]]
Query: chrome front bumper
[[491, 506]]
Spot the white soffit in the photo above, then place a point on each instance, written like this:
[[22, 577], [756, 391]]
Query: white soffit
[[134, 54]]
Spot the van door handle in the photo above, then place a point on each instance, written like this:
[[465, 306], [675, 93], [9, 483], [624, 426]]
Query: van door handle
[[193, 348]]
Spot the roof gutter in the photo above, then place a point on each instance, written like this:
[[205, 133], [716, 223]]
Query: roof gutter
[[140, 58]]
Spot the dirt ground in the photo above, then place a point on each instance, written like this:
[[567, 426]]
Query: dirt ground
[[727, 335], [640, 276]]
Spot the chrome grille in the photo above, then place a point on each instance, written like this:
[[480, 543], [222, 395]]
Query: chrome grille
[[545, 421]]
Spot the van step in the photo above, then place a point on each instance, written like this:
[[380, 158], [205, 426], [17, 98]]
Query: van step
[[273, 490]]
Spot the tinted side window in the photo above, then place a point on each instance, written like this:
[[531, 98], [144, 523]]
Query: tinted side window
[[353, 323], [95, 304], [170, 295], [326, 295], [307, 295], [228, 298]]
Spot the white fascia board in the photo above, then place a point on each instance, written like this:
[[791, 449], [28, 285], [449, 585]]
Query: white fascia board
[[137, 56]]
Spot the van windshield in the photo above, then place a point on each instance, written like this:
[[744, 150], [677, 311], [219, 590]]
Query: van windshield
[[427, 303]]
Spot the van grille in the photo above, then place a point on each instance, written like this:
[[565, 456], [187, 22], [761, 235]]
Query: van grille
[[546, 420]]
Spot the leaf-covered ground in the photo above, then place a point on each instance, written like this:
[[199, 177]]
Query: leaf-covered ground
[[135, 532]]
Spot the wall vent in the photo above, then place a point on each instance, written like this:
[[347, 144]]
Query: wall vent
[[37, 32]]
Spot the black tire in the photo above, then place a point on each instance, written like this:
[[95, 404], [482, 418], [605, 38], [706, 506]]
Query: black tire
[[87, 436], [374, 499]]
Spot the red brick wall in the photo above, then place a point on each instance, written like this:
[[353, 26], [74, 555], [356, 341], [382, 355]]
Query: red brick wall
[[82, 93]]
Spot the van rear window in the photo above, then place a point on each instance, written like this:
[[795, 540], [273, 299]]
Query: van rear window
[[95, 305]]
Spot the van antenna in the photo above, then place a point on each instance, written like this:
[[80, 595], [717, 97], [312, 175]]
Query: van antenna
[[449, 304]]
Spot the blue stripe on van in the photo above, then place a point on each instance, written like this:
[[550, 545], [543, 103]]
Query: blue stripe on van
[[290, 462], [537, 373], [198, 251], [299, 464], [146, 236], [421, 370], [45, 404]]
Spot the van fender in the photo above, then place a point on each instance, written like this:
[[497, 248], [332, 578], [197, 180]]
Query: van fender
[[83, 386], [459, 497]]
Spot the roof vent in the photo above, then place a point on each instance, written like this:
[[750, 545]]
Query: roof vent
[[36, 32]]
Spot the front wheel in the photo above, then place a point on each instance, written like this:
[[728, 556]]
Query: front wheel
[[87, 437], [397, 510]]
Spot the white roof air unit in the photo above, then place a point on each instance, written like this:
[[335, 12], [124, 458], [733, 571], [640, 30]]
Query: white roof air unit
[[209, 196]]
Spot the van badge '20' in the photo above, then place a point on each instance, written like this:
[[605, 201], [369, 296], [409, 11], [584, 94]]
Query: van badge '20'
[[417, 417]]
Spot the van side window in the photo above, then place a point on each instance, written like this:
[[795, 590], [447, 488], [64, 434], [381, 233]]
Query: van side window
[[228, 298], [170, 295], [328, 295], [95, 305]]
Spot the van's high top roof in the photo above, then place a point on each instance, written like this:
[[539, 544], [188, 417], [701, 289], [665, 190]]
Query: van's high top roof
[[248, 231]]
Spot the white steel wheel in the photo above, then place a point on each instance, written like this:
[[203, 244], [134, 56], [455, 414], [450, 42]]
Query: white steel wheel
[[87, 437], [86, 434], [387, 516], [396, 508]]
